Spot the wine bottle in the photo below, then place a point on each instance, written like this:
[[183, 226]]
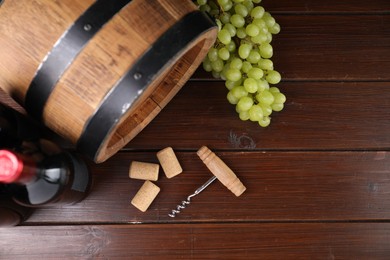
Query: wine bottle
[[11, 213], [16, 131], [55, 179]]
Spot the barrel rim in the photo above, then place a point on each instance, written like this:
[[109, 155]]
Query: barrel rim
[[116, 103]]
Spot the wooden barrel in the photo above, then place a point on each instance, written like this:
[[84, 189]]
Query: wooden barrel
[[97, 72]]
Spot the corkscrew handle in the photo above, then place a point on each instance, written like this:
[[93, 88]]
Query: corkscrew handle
[[221, 171]]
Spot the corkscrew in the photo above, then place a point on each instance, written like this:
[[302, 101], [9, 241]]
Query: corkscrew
[[185, 203], [220, 171]]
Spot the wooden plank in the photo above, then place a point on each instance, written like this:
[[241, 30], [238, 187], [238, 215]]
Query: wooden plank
[[327, 6], [317, 116], [199, 241], [281, 186], [331, 47]]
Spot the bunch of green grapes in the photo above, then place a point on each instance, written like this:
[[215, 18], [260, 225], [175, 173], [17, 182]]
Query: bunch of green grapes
[[241, 57]]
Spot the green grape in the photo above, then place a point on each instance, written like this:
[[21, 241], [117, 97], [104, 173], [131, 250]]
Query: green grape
[[212, 54], [205, 8], [254, 57], [244, 104], [231, 46], [231, 98], [277, 107], [239, 92], [223, 72], [250, 85], [214, 12], [267, 110], [219, 24], [273, 77], [255, 113], [267, 14], [225, 17], [230, 28], [246, 67], [252, 30], [265, 97], [244, 50], [217, 65], [260, 38], [249, 5], [264, 30], [255, 73], [262, 85], [224, 36], [201, 2], [237, 20], [275, 29], [274, 90], [224, 53], [243, 115], [207, 65], [216, 74], [266, 64], [236, 63], [265, 121], [256, 1], [269, 20], [213, 5], [259, 22], [257, 12], [233, 74], [266, 50], [241, 33], [238, 1], [280, 98], [231, 84], [269, 37], [227, 7], [241, 10], [222, 2]]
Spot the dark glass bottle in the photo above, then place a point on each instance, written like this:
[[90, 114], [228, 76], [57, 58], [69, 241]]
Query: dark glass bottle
[[58, 178], [11, 213], [39, 172], [15, 129]]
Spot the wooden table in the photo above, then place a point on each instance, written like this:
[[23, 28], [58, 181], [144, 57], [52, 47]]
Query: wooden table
[[318, 178]]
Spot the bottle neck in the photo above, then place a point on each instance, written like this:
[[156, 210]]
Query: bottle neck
[[17, 168]]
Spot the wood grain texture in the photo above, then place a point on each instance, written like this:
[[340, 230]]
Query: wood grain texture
[[27, 36], [317, 116], [200, 241], [281, 186], [327, 6]]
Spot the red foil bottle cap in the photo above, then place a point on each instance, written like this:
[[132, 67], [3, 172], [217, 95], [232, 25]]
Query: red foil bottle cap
[[10, 166]]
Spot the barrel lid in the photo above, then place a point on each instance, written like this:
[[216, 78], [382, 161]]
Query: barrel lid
[[10, 166]]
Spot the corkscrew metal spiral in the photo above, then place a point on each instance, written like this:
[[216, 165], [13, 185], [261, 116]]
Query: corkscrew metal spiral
[[185, 203]]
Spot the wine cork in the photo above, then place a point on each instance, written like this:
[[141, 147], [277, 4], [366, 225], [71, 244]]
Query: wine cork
[[144, 171], [223, 173], [169, 162], [145, 196]]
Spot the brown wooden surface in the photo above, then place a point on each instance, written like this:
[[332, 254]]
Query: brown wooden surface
[[318, 178], [200, 241]]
